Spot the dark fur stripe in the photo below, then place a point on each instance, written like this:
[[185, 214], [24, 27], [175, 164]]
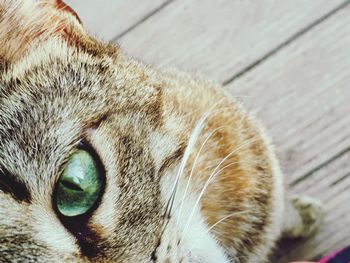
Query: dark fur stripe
[[8, 184]]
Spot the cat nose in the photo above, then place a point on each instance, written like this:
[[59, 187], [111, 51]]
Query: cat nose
[[62, 6]]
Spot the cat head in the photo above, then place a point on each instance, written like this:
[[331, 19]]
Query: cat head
[[72, 103]]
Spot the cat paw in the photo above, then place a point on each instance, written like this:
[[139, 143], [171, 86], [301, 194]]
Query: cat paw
[[311, 213]]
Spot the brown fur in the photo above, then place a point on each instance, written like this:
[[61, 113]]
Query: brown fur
[[59, 85]]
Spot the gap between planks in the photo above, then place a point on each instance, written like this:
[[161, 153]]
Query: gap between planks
[[286, 43], [147, 16], [298, 66], [219, 38]]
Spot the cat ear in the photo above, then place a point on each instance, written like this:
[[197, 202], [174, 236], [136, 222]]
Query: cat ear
[[63, 7], [24, 23]]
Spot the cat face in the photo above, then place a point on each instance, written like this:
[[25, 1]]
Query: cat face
[[61, 89]]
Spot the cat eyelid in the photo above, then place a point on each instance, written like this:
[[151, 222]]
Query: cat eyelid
[[9, 185], [175, 156]]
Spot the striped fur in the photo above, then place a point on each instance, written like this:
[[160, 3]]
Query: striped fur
[[165, 138]]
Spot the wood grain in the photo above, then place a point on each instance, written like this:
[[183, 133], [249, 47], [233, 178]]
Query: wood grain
[[303, 94], [220, 38], [110, 18]]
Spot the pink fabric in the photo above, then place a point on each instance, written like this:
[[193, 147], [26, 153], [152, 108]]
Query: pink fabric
[[325, 259]]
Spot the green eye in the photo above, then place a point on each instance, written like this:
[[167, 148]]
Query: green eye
[[79, 186]]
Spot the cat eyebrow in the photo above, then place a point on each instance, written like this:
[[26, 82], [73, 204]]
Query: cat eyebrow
[[171, 159], [9, 185]]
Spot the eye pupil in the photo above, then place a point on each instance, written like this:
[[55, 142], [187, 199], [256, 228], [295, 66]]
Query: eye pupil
[[79, 186], [71, 186]]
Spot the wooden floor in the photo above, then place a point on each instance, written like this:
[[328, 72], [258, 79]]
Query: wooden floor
[[288, 60]]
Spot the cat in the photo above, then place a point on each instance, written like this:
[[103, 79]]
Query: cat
[[105, 159]]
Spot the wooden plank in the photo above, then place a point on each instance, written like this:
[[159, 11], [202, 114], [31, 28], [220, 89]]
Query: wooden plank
[[303, 93], [222, 37], [330, 185], [109, 18]]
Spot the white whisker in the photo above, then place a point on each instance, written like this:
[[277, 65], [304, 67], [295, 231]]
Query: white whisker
[[192, 141], [192, 170], [211, 177], [223, 219], [226, 217]]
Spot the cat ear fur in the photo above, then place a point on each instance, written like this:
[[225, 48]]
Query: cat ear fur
[[25, 22], [63, 7]]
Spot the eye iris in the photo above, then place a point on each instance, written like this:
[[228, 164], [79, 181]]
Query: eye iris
[[79, 186]]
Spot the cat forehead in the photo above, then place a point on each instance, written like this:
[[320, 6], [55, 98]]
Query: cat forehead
[[102, 72], [38, 95], [55, 56], [54, 93], [45, 104]]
